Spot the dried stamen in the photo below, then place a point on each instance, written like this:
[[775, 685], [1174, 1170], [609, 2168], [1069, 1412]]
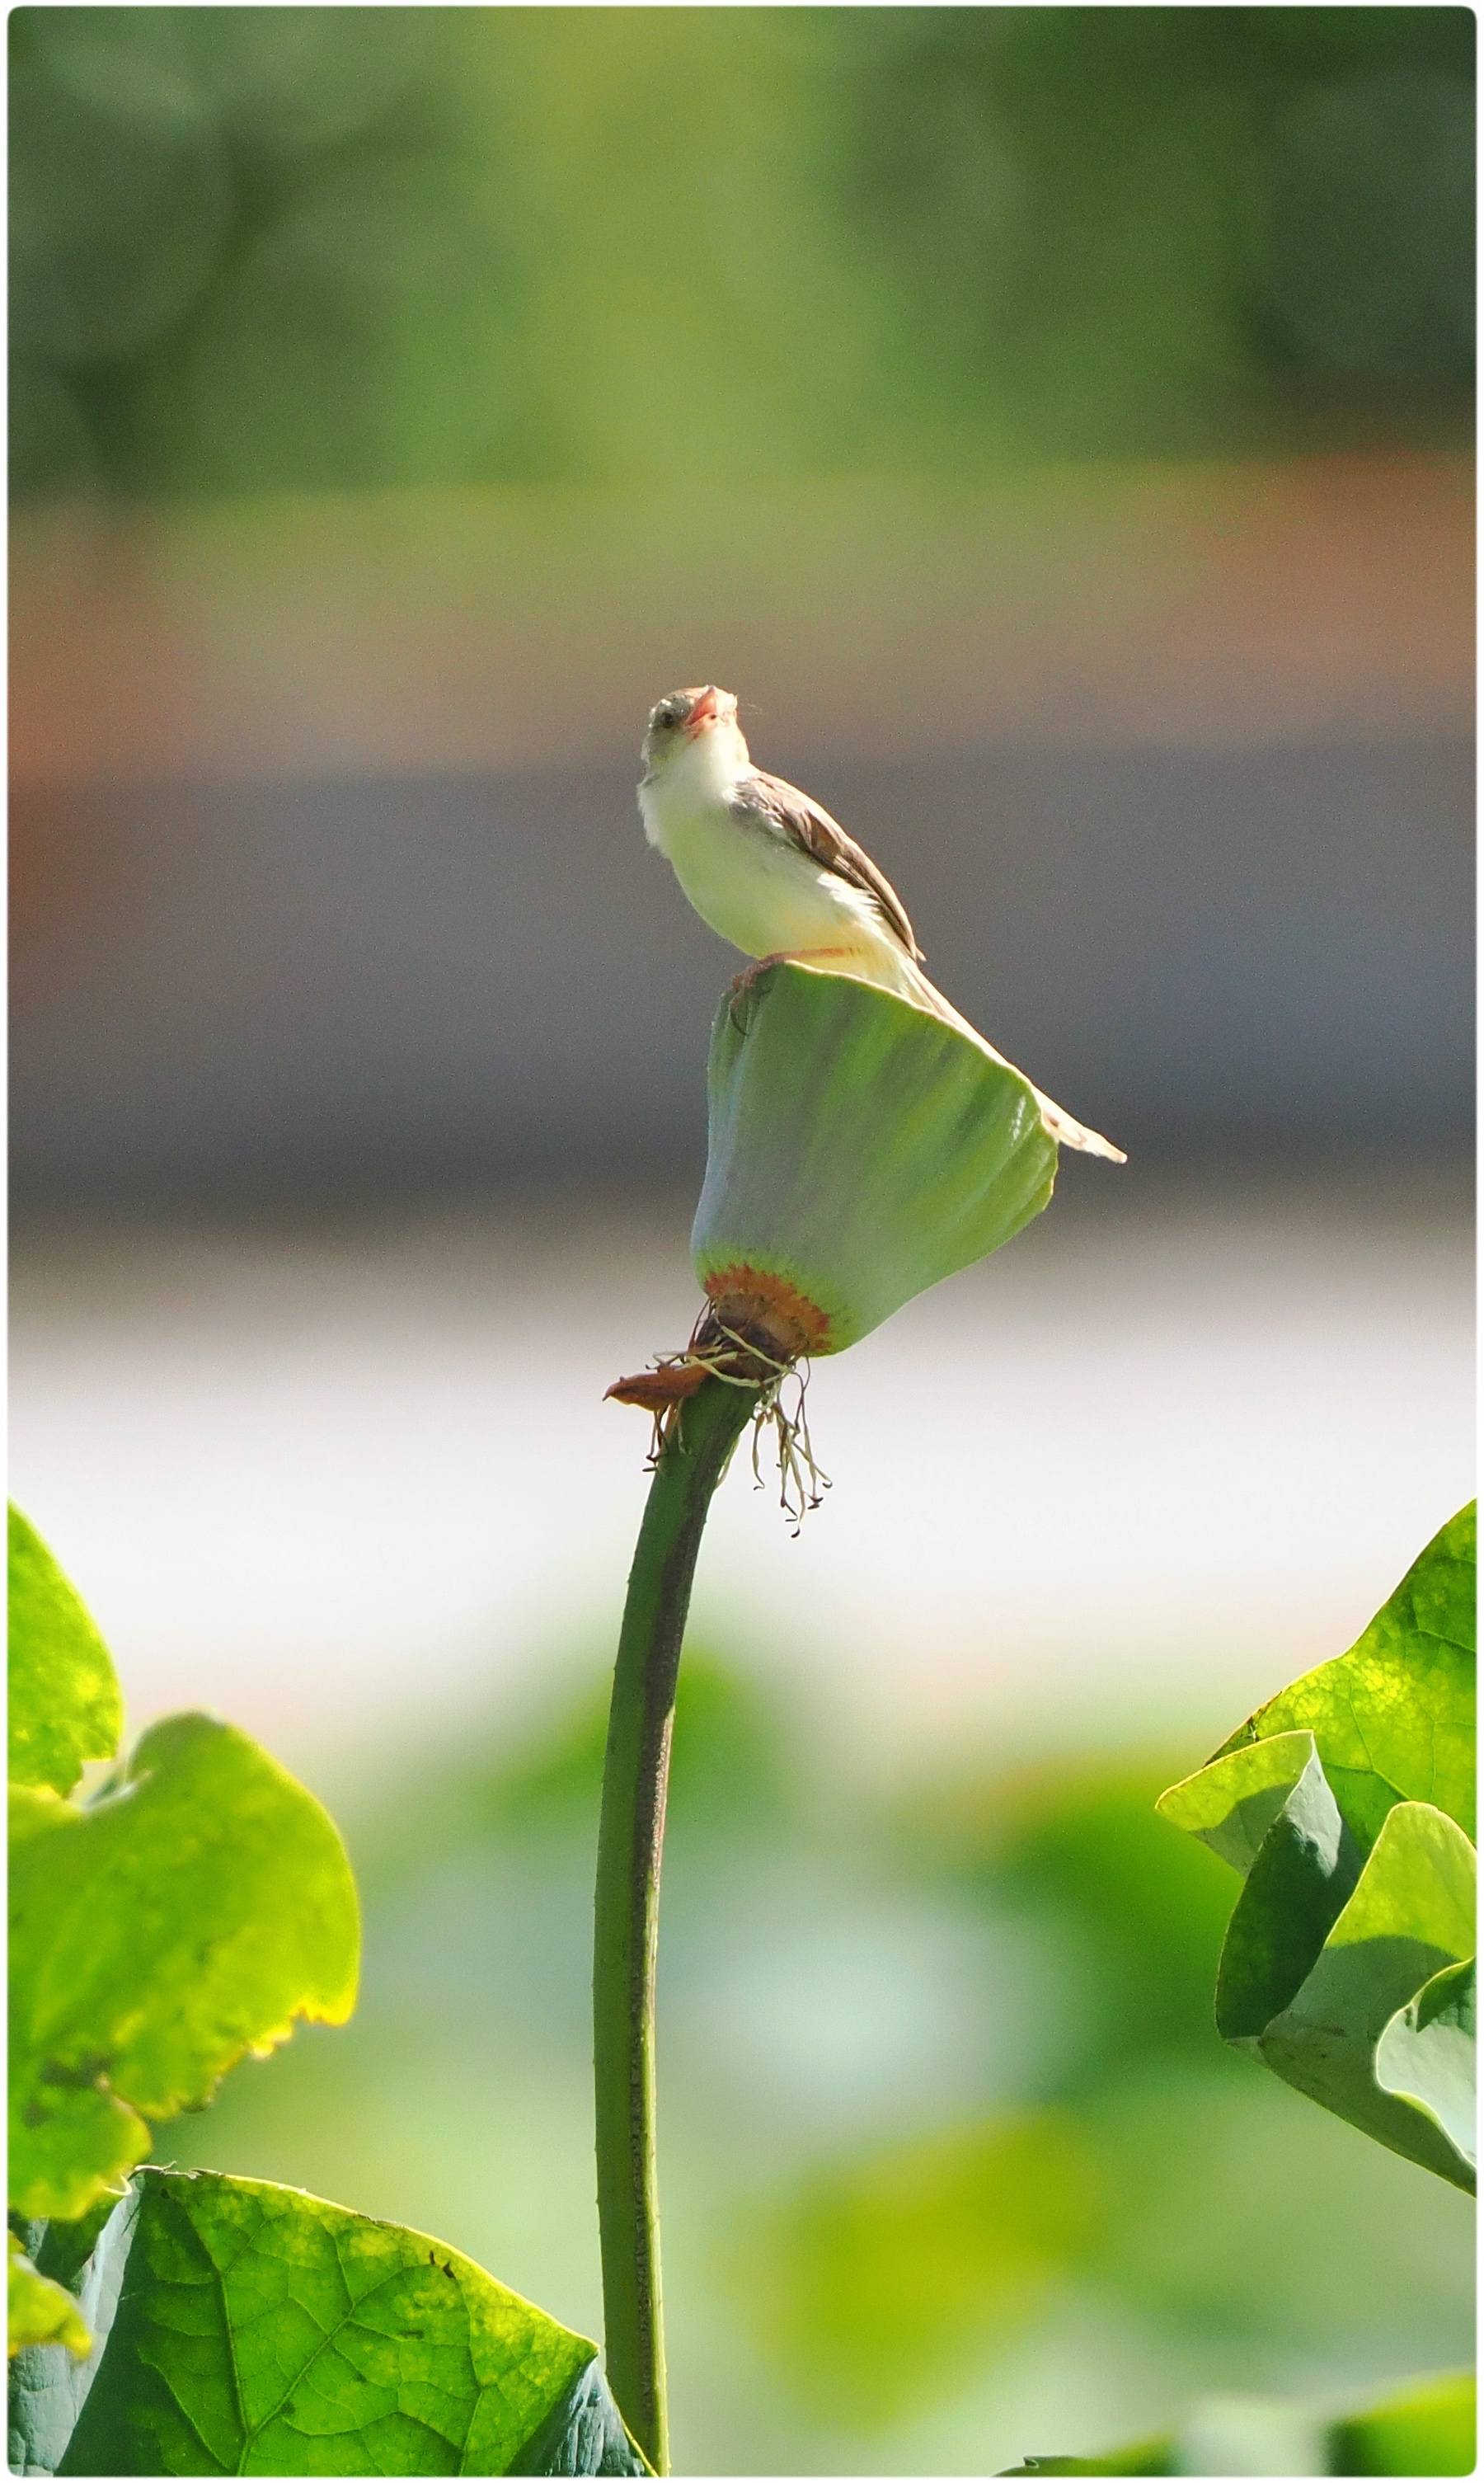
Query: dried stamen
[[740, 1359]]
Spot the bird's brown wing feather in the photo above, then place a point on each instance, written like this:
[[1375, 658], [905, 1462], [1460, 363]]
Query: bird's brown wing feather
[[812, 830]]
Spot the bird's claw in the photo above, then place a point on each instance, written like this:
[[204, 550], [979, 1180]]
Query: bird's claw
[[742, 985], [744, 981]]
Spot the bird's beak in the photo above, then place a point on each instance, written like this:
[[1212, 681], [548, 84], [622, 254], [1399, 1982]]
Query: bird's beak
[[706, 710]]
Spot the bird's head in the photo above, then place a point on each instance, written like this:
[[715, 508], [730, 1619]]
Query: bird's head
[[686, 720]]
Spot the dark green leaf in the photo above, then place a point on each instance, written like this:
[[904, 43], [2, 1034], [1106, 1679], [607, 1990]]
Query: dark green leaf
[[263, 2332], [584, 2433], [1306, 1868], [66, 1706], [190, 1915]]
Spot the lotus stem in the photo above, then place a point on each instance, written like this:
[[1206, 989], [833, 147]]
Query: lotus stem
[[630, 1841]]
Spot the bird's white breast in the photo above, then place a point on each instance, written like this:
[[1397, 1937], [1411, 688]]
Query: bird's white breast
[[750, 884]]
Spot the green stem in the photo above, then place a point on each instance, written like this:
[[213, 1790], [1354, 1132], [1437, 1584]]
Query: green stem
[[626, 1930]]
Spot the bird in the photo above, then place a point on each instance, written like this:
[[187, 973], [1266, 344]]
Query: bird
[[770, 870]]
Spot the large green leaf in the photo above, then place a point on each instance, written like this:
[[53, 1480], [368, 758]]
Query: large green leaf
[[263, 2332], [1426, 2428], [1326, 1958], [1412, 1914], [189, 1916], [66, 1706], [1342, 1964], [1393, 1720]]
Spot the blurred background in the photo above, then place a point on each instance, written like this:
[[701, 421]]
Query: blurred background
[[1057, 424]]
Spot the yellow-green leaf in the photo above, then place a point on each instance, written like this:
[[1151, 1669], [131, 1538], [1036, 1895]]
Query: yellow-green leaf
[[66, 1706], [263, 2332], [191, 1915], [41, 2312], [1393, 1720]]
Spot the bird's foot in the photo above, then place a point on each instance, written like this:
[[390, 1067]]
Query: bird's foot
[[742, 985]]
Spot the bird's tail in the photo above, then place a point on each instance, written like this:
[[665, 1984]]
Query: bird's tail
[[911, 984]]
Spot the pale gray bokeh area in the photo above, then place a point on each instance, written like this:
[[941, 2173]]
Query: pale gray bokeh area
[[343, 1478]]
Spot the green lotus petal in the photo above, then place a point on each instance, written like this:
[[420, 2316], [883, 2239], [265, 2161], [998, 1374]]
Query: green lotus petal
[[192, 1912], [859, 1149], [264, 2332], [1394, 1718], [1426, 2055], [1412, 1914], [1232, 1803], [39, 2311], [66, 1706]]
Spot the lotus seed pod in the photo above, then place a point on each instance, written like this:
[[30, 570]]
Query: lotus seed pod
[[859, 1151]]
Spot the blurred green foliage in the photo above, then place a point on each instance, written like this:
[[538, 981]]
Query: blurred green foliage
[[343, 247], [1078, 1849], [728, 1772], [887, 2279], [1426, 2430], [1153, 2179], [1058, 2172]]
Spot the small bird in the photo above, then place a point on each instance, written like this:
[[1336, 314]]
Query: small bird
[[776, 876]]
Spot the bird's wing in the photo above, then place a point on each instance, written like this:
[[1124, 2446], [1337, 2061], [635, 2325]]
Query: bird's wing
[[791, 814]]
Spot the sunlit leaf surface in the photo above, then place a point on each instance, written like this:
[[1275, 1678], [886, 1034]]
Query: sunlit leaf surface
[[66, 1706], [263, 2332], [189, 1915], [1393, 1720], [1344, 1802]]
